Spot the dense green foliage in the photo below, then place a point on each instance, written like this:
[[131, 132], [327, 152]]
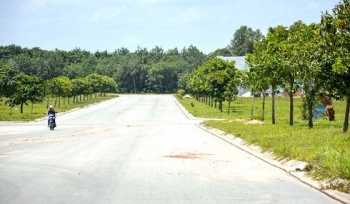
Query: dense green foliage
[[313, 59], [216, 80], [142, 71], [243, 41], [20, 89], [335, 32]]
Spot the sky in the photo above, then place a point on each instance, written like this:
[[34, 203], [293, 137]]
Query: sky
[[99, 25]]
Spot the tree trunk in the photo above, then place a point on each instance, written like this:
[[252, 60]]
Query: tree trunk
[[346, 120], [55, 101], [161, 87], [31, 111], [291, 103], [220, 106], [59, 101], [263, 107], [134, 83], [47, 103], [273, 106], [252, 108], [229, 106], [22, 107], [11, 107], [311, 115]]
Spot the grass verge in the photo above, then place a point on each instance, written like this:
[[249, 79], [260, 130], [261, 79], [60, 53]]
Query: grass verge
[[35, 111], [325, 147]]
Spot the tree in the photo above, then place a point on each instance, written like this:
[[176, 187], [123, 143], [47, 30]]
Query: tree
[[243, 41], [36, 90], [9, 83], [164, 75], [108, 85], [20, 88], [80, 86], [231, 90], [213, 78], [335, 32], [307, 57], [60, 87], [31, 88], [265, 70], [8, 52], [282, 50], [226, 52]]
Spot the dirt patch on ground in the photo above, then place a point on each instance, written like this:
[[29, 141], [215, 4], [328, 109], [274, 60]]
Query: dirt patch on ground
[[5, 154], [248, 122], [254, 122], [187, 155]]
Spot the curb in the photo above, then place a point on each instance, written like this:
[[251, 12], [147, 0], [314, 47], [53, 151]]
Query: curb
[[289, 167], [266, 157]]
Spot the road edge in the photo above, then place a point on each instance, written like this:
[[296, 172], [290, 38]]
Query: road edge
[[289, 167]]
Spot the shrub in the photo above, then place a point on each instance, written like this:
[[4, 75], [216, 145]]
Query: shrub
[[181, 92]]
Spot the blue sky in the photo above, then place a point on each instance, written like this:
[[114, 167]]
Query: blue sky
[[111, 24]]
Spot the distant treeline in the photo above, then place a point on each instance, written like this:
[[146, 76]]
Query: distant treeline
[[142, 71]]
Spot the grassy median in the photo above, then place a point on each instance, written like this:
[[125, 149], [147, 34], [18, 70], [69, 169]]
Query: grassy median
[[325, 147], [35, 111]]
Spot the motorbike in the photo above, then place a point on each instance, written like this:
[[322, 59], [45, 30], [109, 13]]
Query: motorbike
[[52, 122]]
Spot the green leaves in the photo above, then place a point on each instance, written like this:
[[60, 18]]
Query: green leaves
[[243, 41], [215, 78], [338, 66]]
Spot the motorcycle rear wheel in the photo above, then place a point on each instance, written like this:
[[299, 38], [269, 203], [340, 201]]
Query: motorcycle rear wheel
[[52, 126]]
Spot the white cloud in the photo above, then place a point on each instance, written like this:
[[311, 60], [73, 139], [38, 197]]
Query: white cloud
[[106, 14]]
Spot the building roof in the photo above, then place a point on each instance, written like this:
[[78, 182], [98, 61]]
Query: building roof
[[239, 61]]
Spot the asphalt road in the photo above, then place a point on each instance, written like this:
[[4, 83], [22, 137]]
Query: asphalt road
[[135, 149]]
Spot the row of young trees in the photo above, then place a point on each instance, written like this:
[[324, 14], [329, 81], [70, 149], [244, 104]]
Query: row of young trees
[[215, 81], [312, 58], [21, 89]]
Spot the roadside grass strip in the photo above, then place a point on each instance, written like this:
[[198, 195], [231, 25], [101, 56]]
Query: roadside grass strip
[[324, 147]]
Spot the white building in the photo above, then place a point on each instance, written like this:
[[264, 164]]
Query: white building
[[240, 64]]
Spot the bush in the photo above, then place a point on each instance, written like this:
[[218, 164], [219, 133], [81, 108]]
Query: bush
[[181, 92]]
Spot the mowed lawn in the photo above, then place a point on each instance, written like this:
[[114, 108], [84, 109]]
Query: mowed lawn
[[324, 147]]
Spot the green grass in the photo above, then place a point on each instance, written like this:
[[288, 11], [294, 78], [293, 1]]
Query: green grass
[[325, 147], [40, 110]]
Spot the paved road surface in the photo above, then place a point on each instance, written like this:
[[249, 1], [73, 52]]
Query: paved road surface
[[135, 149]]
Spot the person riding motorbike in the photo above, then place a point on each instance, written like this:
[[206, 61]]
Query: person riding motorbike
[[53, 112]]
